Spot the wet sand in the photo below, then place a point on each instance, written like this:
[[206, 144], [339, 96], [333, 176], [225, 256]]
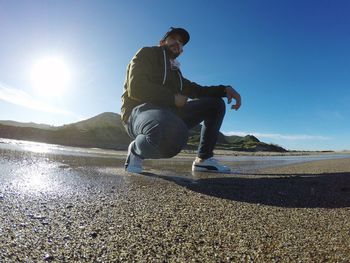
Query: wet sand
[[83, 209]]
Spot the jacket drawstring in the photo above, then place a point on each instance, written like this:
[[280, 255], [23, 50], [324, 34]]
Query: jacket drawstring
[[180, 80], [165, 71], [164, 67]]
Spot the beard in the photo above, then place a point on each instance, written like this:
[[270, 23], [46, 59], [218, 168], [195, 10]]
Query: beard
[[174, 50]]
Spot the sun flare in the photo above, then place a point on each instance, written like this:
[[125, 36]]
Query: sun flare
[[50, 76]]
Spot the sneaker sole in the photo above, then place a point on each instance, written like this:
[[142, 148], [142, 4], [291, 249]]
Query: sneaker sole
[[133, 170], [212, 169]]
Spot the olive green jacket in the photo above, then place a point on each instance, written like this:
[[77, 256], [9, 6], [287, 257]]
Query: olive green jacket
[[149, 78]]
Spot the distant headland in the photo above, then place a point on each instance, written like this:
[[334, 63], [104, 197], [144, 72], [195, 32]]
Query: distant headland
[[106, 131]]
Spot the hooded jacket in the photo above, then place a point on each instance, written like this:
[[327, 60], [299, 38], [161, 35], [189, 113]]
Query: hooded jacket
[[151, 79]]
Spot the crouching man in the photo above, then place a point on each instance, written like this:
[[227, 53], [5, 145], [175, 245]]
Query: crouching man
[[156, 111]]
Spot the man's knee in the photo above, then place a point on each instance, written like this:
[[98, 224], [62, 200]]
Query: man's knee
[[167, 133], [214, 103], [218, 103]]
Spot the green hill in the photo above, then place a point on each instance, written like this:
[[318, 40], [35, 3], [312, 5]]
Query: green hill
[[102, 131], [247, 143], [106, 131]]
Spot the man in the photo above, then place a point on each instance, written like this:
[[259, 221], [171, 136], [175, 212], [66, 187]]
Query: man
[[156, 111]]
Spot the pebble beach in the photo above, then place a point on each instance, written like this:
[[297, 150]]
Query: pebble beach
[[86, 209]]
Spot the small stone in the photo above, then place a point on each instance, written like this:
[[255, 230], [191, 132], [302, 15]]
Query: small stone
[[48, 257], [93, 234], [40, 217], [343, 189]]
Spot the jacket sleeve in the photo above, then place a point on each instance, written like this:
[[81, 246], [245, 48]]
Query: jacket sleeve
[[193, 90], [140, 87]]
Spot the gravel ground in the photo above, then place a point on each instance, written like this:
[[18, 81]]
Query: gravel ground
[[71, 209]]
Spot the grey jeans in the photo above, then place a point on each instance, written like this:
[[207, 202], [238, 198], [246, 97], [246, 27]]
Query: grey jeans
[[162, 133]]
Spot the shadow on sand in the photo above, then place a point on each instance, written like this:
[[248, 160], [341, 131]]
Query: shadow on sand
[[326, 190]]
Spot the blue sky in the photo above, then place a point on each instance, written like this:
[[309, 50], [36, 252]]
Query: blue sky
[[290, 60]]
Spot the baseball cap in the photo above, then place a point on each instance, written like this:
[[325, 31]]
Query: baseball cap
[[178, 30]]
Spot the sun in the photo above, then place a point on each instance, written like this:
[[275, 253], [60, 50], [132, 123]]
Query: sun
[[50, 77]]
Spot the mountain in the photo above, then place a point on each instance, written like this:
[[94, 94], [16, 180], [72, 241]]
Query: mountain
[[106, 131], [252, 144], [102, 131], [29, 124]]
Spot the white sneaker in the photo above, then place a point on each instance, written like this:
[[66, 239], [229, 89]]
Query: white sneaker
[[209, 165], [133, 163]]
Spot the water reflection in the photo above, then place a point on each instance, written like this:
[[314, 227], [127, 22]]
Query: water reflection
[[35, 176], [36, 181], [37, 147], [45, 148]]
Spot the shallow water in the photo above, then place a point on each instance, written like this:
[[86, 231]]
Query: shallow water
[[46, 148], [251, 163], [180, 165], [53, 172]]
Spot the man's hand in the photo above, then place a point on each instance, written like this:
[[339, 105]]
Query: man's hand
[[180, 100], [232, 94]]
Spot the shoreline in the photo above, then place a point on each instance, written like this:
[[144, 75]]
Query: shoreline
[[183, 153]]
